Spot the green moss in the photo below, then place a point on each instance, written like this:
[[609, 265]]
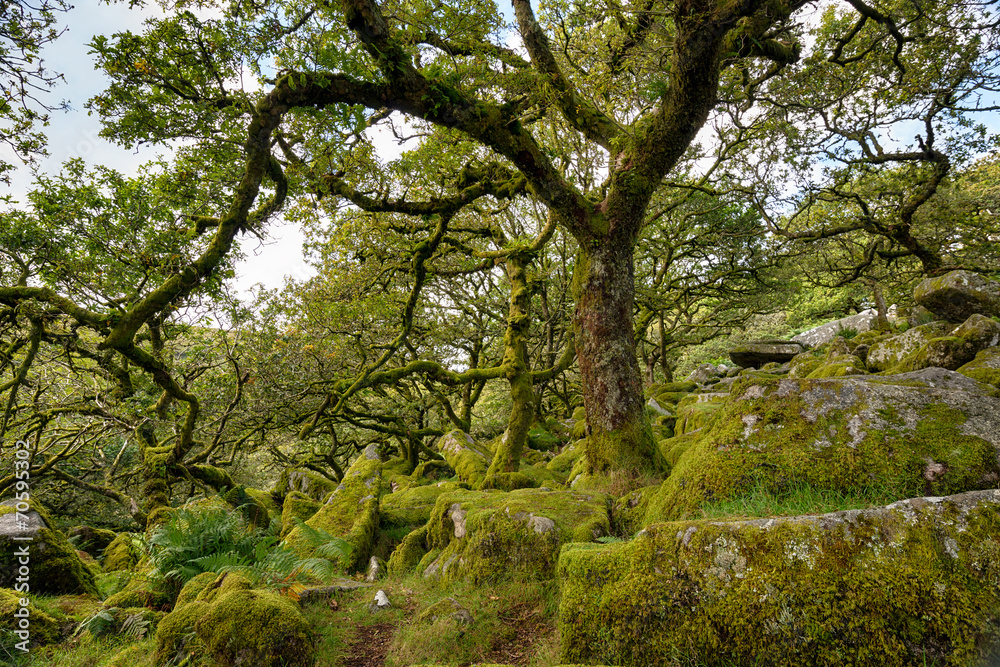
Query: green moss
[[838, 366], [433, 470], [579, 430], [223, 584], [985, 367], [299, 506], [469, 459], [175, 632], [839, 437], [696, 411], [915, 584], [351, 511], [92, 540], [122, 553], [673, 448], [56, 568], [629, 511], [140, 593], [486, 536], [215, 477], [541, 439], [311, 483], [41, 628], [194, 587], [252, 505], [563, 462], [133, 655], [413, 506], [257, 628], [409, 552]]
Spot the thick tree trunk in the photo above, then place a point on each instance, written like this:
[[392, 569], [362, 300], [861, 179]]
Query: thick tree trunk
[[604, 287]]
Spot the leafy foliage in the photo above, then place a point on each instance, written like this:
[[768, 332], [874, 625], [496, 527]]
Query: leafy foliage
[[215, 540]]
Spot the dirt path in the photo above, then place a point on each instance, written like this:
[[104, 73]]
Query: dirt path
[[370, 645]]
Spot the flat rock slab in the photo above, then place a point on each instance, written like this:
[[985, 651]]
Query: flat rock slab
[[756, 353], [957, 295], [915, 582], [866, 320]]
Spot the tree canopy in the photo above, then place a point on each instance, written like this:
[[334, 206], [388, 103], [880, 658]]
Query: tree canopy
[[577, 186]]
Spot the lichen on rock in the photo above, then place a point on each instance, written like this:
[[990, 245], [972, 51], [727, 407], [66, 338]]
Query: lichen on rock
[[55, 566], [840, 434], [486, 536], [350, 512], [916, 582]]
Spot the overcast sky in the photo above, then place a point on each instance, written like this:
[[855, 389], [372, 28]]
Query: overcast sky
[[75, 134]]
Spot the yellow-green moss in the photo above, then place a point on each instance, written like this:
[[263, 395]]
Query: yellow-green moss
[[413, 506], [350, 512], [222, 584], [257, 628], [92, 540], [140, 593], [918, 583], [985, 367], [469, 459], [251, 503], [563, 462], [311, 483], [768, 435], [175, 632], [42, 628], [696, 411], [409, 552], [194, 587], [122, 553], [134, 655], [299, 506], [486, 536]]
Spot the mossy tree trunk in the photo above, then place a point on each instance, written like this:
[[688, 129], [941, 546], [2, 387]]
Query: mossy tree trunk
[[507, 458], [604, 289]]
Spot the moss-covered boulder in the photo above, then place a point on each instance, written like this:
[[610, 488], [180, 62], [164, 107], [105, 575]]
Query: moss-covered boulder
[[564, 461], [954, 349], [32, 551], [489, 535], [957, 295], [350, 512], [409, 553], [297, 506], [985, 367], [122, 553], [311, 483], [866, 320], [175, 636], [933, 431], [23, 625], [432, 471], [413, 506], [695, 411], [142, 592], [469, 459], [194, 587], [258, 628], [917, 582], [887, 352]]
